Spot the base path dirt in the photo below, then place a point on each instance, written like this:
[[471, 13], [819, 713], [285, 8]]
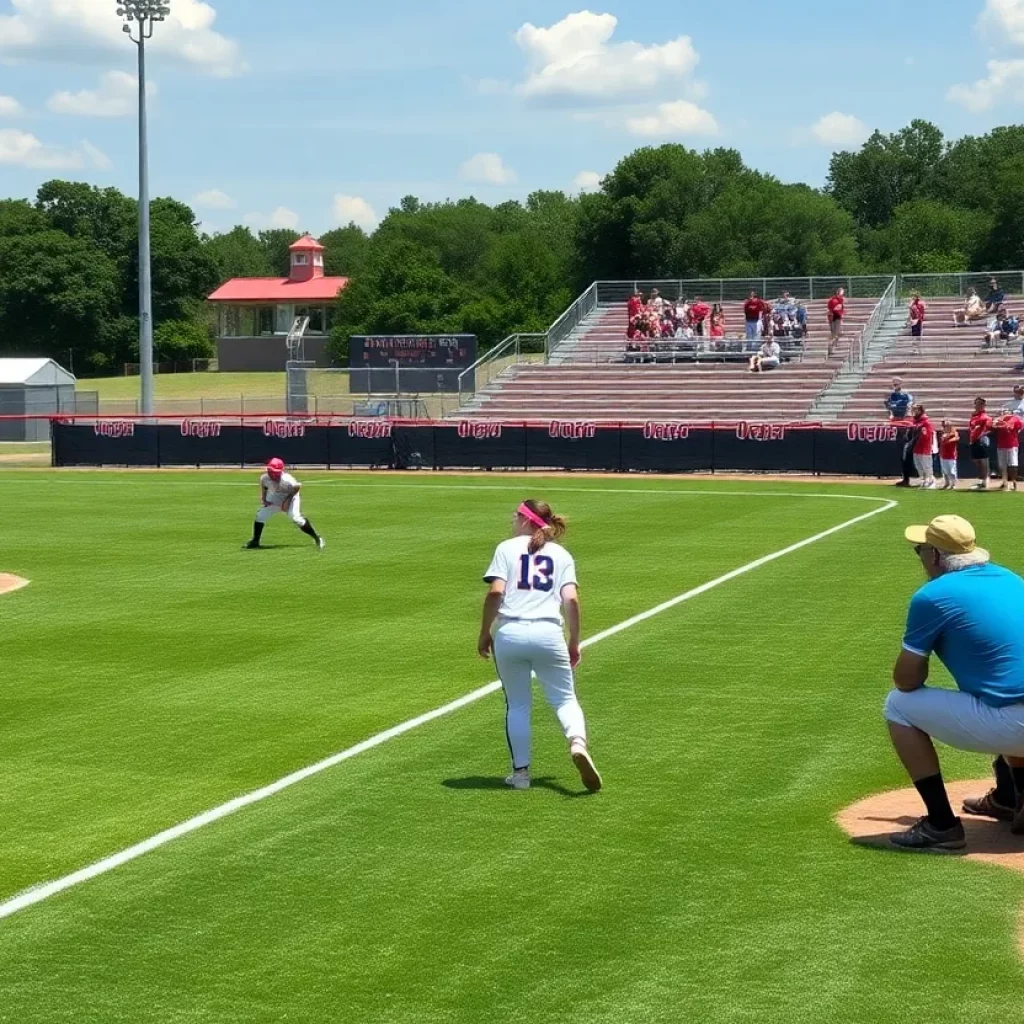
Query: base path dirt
[[9, 582], [871, 821]]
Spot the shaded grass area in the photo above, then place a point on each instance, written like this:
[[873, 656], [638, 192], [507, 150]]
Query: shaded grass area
[[154, 670]]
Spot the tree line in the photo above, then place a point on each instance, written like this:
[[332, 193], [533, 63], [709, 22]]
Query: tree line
[[906, 202]]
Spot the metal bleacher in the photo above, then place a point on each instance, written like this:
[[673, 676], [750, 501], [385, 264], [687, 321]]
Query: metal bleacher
[[584, 373], [946, 370]]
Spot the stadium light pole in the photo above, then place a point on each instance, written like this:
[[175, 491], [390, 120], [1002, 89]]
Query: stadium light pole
[[140, 16]]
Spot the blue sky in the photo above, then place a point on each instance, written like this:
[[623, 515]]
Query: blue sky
[[309, 115]]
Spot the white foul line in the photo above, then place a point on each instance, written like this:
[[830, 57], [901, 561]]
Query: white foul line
[[43, 892]]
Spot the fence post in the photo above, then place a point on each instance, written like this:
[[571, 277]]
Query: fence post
[[764, 287]]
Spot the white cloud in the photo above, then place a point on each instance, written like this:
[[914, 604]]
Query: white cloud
[[22, 149], [680, 117], [837, 129], [213, 199], [1004, 19], [575, 59], [354, 210], [86, 31], [10, 107], [486, 169], [1005, 80], [586, 181], [282, 217], [117, 96]]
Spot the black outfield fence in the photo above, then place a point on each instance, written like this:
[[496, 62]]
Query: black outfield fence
[[657, 447]]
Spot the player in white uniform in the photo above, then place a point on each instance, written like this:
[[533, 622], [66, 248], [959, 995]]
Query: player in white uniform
[[279, 492], [532, 579]]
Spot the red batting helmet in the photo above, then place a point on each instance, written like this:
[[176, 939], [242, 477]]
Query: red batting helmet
[[275, 467]]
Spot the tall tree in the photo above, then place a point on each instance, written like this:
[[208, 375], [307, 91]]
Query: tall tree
[[888, 170], [238, 253]]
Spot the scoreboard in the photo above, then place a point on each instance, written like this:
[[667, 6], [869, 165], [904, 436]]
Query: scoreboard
[[382, 364]]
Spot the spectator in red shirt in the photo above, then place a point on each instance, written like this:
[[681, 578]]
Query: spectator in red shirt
[[915, 320], [947, 455], [836, 312], [924, 439], [979, 427], [753, 310], [1008, 430], [634, 308], [698, 314]]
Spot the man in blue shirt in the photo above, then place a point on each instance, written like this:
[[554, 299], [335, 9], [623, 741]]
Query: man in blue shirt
[[970, 614], [996, 296], [899, 401]]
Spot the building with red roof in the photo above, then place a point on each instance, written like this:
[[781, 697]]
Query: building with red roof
[[255, 314]]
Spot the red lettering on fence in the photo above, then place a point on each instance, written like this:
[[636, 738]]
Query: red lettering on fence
[[282, 429], [761, 431], [479, 431], [665, 431], [872, 432], [572, 429], [369, 428], [200, 428], [114, 428]]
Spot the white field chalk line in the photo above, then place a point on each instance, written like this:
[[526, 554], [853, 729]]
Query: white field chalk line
[[44, 891]]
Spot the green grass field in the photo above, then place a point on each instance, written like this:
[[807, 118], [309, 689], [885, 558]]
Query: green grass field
[[153, 670], [175, 386]]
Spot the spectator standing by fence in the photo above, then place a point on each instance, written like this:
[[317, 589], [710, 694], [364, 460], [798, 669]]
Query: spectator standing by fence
[[754, 310], [836, 312], [979, 427], [1008, 430], [924, 451]]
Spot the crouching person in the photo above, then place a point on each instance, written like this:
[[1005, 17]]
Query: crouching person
[[970, 614]]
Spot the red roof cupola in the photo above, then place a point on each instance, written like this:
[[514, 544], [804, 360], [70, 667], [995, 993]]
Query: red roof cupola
[[307, 259]]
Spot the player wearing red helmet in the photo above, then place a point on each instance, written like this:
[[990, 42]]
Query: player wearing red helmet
[[279, 492]]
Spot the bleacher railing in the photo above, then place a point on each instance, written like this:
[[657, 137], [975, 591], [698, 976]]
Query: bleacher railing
[[1011, 281], [732, 289], [515, 349]]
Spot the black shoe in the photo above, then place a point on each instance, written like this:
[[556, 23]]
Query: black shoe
[[902, 483], [924, 836], [988, 806], [251, 546]]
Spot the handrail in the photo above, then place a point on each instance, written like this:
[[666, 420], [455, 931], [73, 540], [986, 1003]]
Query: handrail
[[491, 356]]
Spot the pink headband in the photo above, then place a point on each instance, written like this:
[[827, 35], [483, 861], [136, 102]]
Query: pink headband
[[527, 513]]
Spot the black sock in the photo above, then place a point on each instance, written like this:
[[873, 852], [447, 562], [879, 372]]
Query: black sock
[[1006, 791], [257, 531], [936, 800], [307, 528]]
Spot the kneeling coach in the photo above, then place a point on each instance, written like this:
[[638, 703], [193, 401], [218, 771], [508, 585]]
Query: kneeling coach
[[970, 614]]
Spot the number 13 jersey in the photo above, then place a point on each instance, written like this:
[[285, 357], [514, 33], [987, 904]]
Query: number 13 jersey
[[533, 583]]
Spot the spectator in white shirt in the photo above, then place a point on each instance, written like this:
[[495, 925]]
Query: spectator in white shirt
[[1016, 406], [767, 357]]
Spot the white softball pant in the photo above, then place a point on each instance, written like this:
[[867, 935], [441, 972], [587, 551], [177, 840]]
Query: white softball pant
[[959, 720], [925, 467], [294, 513], [1008, 458], [948, 469], [522, 648]]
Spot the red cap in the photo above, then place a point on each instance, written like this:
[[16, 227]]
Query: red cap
[[275, 467]]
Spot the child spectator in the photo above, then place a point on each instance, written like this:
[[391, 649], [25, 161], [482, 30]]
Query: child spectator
[[947, 455], [915, 320], [717, 321], [657, 302]]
